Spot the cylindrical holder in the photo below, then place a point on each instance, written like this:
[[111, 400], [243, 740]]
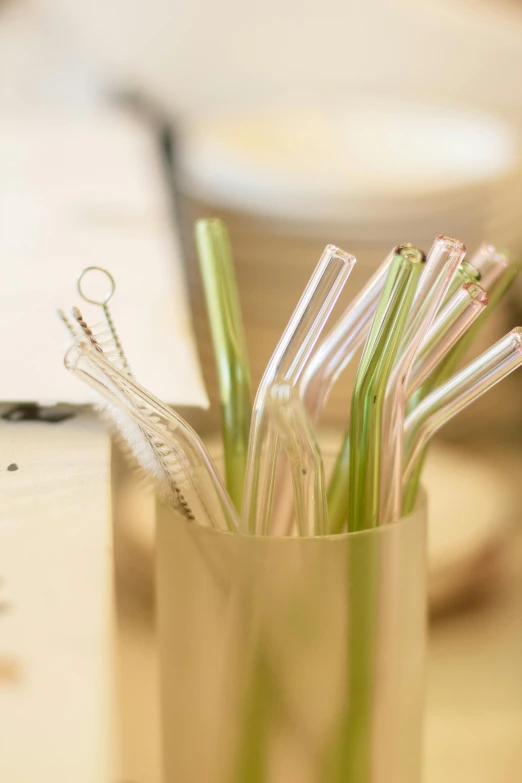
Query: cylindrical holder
[[291, 660]]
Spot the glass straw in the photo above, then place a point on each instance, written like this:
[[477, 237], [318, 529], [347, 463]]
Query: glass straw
[[485, 260], [327, 363], [493, 267], [466, 273], [449, 326], [444, 402], [343, 341], [496, 280], [177, 441], [359, 468], [441, 265], [228, 337], [286, 366], [299, 441]]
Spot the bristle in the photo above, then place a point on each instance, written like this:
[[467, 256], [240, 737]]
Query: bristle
[[78, 317], [154, 458], [103, 342]]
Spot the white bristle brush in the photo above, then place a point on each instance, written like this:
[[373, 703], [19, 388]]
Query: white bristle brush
[[149, 456]]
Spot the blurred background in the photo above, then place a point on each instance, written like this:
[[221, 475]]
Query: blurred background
[[359, 124]]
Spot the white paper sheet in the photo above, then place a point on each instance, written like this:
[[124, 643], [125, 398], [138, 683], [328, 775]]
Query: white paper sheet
[[81, 189]]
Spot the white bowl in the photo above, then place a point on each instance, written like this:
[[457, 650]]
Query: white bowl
[[371, 167]]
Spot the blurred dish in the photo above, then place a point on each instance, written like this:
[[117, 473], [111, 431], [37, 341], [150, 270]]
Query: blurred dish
[[375, 167]]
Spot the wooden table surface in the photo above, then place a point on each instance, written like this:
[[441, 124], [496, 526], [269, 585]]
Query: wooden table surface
[[78, 688]]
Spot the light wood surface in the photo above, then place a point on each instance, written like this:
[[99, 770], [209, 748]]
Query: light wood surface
[[56, 621], [474, 688]]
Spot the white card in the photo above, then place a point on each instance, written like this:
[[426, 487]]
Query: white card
[[82, 189]]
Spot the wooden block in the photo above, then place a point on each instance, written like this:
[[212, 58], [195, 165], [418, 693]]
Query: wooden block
[[56, 617]]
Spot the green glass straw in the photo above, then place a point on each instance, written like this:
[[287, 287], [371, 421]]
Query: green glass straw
[[359, 467], [466, 273], [442, 263], [352, 758], [228, 337]]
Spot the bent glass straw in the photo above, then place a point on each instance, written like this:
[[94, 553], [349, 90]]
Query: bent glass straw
[[358, 468], [441, 265], [329, 360], [286, 366], [300, 443], [497, 278], [444, 402], [196, 469], [449, 326], [488, 266], [343, 341], [228, 337], [441, 253]]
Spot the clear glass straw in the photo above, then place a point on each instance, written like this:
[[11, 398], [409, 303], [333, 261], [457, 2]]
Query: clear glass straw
[[343, 341], [302, 449], [358, 469], [486, 260], [177, 441], [449, 326], [439, 270], [286, 366], [444, 402], [497, 278], [228, 337], [327, 363]]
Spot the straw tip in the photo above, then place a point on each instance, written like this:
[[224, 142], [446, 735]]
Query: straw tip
[[516, 334], [411, 253], [206, 225], [476, 293], [337, 252], [487, 248], [451, 243], [471, 271]]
